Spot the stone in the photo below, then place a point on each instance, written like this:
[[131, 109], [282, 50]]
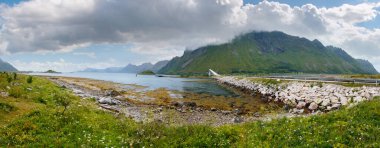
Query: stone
[[107, 100], [238, 111], [301, 105], [298, 111], [334, 100], [318, 100], [343, 101], [358, 99], [112, 93], [190, 104], [313, 106], [325, 102], [237, 120], [213, 109], [335, 106]]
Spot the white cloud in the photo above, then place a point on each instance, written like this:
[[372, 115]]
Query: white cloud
[[61, 65], [88, 54], [167, 27]]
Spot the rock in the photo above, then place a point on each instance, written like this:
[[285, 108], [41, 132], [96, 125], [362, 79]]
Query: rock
[[335, 106], [226, 112], [298, 111], [107, 100], [318, 100], [158, 110], [213, 109], [358, 99], [301, 105], [238, 111], [237, 120], [190, 104], [286, 107], [313, 106], [325, 102], [30, 89], [257, 114], [344, 101], [176, 96], [4, 94], [334, 100], [112, 93], [177, 104]]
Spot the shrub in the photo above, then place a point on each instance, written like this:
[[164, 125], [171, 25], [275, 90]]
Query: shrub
[[9, 79], [6, 107], [29, 79], [14, 76], [62, 99]]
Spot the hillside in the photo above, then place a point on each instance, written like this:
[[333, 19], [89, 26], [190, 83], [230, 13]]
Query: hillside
[[4, 66], [267, 52]]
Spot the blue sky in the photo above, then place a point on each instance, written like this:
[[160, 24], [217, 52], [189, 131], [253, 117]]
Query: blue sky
[[108, 54]]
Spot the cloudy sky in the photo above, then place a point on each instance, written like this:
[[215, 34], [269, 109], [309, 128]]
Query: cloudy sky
[[70, 35]]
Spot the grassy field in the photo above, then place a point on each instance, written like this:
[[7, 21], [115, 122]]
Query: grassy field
[[41, 114]]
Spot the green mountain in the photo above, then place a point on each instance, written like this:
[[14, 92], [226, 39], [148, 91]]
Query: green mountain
[[4, 66], [267, 52]]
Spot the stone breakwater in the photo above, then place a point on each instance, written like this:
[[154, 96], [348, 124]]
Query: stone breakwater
[[302, 96]]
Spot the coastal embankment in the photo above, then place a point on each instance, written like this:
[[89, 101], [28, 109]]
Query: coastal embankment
[[300, 97]]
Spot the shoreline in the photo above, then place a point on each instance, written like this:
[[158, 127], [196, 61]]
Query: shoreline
[[137, 104]]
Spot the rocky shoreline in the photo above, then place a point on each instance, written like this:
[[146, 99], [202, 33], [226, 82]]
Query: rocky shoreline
[[301, 97], [175, 113]]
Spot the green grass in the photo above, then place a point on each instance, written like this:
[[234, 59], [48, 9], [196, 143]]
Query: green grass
[[83, 124]]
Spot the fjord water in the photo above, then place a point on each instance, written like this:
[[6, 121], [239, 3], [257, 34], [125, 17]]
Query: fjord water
[[207, 86]]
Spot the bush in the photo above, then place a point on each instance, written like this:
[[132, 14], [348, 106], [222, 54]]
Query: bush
[[6, 107], [62, 99], [14, 76], [29, 79]]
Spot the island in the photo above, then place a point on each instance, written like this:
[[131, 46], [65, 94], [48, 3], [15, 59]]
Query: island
[[147, 72]]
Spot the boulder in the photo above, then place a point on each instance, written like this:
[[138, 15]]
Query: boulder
[[112, 93], [107, 100], [301, 105], [343, 101], [325, 102], [313, 106]]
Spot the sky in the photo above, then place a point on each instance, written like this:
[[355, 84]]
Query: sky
[[71, 35]]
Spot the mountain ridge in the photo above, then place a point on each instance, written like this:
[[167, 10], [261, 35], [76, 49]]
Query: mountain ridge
[[5, 66], [131, 68], [267, 52]]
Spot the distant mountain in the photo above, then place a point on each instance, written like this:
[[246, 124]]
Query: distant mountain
[[4, 66], [267, 52], [366, 65], [130, 68]]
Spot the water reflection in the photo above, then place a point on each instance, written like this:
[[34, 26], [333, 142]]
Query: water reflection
[[206, 86]]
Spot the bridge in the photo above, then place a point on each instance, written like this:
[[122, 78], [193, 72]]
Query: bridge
[[212, 73]]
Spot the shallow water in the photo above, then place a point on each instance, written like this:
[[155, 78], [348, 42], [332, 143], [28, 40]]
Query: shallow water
[[207, 86]]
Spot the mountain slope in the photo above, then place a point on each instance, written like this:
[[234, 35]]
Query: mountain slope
[[265, 52], [4, 66], [130, 68]]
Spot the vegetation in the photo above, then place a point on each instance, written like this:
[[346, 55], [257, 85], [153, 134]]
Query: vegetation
[[64, 120], [147, 72], [364, 76], [29, 79], [51, 71], [267, 52]]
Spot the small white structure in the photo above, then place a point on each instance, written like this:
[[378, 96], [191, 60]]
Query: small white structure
[[212, 73]]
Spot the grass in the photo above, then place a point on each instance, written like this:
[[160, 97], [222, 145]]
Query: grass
[[365, 76], [84, 125]]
